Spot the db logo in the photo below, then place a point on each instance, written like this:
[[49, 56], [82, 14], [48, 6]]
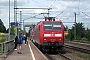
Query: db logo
[[53, 35]]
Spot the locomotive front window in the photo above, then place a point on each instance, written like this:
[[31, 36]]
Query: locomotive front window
[[52, 26], [57, 27], [47, 27]]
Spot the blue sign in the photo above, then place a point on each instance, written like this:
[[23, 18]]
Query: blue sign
[[14, 23]]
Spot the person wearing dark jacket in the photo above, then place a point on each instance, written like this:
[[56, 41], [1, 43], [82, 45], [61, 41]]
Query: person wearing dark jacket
[[16, 42], [25, 37]]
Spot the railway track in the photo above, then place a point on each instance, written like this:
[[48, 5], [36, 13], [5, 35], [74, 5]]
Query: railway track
[[70, 56], [78, 46], [59, 56], [55, 57]]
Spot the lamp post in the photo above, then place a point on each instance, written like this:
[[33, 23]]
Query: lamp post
[[15, 15], [75, 28], [9, 19]]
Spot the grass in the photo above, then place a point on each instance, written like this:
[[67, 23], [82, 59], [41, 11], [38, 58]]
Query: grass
[[83, 56], [86, 57]]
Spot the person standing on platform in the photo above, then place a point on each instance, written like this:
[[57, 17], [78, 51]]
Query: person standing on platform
[[20, 42], [16, 42], [25, 37]]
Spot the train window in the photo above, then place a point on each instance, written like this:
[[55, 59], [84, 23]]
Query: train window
[[56, 27], [47, 27], [52, 26]]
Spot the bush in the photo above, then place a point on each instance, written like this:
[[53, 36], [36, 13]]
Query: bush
[[83, 39], [78, 37], [2, 38]]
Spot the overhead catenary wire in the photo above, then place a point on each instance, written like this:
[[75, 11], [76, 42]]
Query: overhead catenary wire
[[32, 16], [86, 14], [85, 3], [78, 7], [51, 3], [65, 9]]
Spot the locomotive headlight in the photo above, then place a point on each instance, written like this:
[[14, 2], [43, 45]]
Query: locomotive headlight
[[45, 40], [59, 39]]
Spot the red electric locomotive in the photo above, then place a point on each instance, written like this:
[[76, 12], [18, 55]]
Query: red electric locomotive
[[49, 34]]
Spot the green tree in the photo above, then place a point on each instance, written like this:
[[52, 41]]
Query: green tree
[[2, 27], [7, 30], [88, 34], [80, 32], [65, 28], [11, 30]]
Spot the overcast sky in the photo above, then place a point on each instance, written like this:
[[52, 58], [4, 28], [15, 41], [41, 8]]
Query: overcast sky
[[61, 9]]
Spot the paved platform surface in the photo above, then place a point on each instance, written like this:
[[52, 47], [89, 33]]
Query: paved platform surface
[[38, 55], [26, 54], [29, 52]]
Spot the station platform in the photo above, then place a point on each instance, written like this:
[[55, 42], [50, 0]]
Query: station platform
[[29, 52]]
